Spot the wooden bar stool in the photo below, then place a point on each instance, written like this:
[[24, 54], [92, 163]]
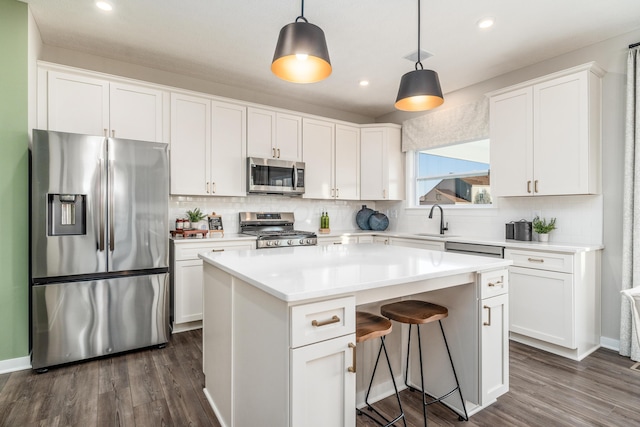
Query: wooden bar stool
[[415, 312], [370, 326]]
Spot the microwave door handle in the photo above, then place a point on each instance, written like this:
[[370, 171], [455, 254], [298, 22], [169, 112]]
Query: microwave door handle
[[295, 176]]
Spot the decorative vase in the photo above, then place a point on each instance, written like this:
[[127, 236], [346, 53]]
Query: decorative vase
[[543, 237]]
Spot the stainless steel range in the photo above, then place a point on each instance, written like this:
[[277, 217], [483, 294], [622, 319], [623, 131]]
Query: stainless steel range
[[275, 229]]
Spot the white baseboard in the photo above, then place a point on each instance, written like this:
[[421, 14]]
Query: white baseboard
[[17, 364], [610, 343]]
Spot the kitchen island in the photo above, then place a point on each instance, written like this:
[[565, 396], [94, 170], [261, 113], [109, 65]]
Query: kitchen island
[[279, 328]]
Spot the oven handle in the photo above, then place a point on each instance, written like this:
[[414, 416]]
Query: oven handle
[[295, 176]]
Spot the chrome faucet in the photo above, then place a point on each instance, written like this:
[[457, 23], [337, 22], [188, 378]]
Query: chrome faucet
[[443, 227]]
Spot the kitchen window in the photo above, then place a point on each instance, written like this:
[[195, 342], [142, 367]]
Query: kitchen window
[[456, 174]]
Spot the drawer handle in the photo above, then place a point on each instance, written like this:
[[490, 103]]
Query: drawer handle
[[540, 260], [488, 322], [498, 283], [528, 186], [217, 250], [334, 319], [337, 243], [352, 368]]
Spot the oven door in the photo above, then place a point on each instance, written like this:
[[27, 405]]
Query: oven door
[[275, 176]]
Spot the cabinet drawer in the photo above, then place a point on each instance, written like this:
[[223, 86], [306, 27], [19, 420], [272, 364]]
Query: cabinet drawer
[[322, 320], [191, 250], [541, 260], [494, 283]]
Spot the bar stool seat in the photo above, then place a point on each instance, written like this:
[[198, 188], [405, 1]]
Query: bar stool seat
[[371, 326], [414, 312]]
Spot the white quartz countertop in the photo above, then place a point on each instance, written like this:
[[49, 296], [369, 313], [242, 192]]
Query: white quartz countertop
[[307, 272], [509, 244]]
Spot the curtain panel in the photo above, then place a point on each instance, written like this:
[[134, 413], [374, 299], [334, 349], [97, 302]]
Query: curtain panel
[[469, 122], [631, 206]]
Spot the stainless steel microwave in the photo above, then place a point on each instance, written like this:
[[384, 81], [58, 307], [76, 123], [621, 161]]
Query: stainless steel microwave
[[275, 176]]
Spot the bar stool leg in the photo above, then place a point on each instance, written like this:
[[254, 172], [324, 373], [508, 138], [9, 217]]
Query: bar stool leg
[[393, 380], [464, 407], [425, 402]]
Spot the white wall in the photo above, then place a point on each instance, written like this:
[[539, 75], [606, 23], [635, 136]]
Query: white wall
[[612, 56]]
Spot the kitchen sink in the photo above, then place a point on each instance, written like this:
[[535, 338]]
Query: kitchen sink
[[439, 236]]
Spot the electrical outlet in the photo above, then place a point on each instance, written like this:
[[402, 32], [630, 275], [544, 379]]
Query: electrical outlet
[[537, 214]]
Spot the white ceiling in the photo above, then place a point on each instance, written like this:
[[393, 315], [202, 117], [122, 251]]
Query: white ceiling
[[232, 41]]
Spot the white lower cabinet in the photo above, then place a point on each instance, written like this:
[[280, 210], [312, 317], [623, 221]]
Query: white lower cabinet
[[415, 243], [554, 301], [494, 335], [323, 391], [186, 279], [337, 240]]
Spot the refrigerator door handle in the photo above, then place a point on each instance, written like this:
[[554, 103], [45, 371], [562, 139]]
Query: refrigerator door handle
[[101, 208], [112, 240]]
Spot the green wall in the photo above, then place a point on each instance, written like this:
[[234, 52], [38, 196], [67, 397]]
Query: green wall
[[14, 184]]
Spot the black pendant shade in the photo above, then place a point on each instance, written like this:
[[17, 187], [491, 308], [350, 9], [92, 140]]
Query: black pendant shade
[[301, 54], [419, 90]]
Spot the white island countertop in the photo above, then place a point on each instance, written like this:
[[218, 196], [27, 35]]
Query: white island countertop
[[307, 272]]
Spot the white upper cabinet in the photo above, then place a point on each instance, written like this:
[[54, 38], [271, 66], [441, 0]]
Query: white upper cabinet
[[332, 160], [208, 154], [381, 163], [274, 135], [318, 137], [135, 112], [91, 105], [545, 135], [347, 162]]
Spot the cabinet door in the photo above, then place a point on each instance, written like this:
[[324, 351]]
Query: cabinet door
[[318, 138], [135, 112], [77, 104], [188, 291], [373, 164], [261, 133], [190, 144], [494, 351], [511, 125], [288, 142], [347, 163], [541, 305], [228, 149], [561, 129], [415, 243], [323, 391]]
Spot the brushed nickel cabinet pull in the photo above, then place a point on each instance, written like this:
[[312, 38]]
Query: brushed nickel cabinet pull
[[491, 284], [334, 319], [333, 192], [337, 243], [113, 133], [535, 186], [217, 250], [540, 260], [274, 153], [384, 193], [207, 187], [528, 186], [337, 193], [488, 323], [106, 133], [213, 187], [278, 153], [353, 367]]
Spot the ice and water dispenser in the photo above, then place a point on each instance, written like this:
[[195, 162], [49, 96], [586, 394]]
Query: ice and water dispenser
[[67, 214]]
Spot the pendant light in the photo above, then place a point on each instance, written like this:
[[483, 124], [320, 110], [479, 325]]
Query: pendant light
[[419, 89], [301, 54]]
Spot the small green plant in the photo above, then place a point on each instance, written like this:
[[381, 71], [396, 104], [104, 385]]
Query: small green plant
[[196, 215], [541, 226]]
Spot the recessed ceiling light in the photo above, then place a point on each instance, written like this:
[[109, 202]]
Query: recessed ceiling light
[[104, 5], [364, 82], [485, 23]]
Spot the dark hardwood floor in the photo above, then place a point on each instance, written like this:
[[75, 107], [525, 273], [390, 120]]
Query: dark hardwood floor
[[163, 387]]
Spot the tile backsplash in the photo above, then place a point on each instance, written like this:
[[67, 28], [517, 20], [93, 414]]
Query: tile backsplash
[[579, 218]]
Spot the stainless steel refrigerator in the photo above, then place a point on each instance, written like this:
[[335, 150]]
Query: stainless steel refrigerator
[[99, 246]]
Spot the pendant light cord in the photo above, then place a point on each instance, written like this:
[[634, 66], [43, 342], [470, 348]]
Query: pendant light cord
[[302, 14], [419, 59]]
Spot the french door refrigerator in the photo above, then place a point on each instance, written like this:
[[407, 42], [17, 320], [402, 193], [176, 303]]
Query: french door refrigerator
[[99, 246]]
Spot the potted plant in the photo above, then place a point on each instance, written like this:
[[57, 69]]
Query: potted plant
[[195, 216], [543, 228]]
